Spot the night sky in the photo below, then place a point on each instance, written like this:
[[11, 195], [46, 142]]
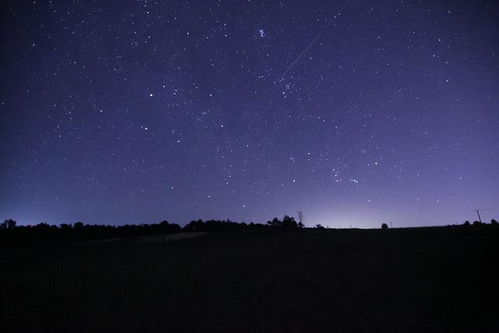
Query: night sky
[[354, 112]]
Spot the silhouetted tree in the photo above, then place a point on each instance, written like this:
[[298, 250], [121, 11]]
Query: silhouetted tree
[[8, 224], [319, 226], [275, 222], [477, 223], [165, 227], [384, 226], [195, 226], [78, 225], [288, 223], [493, 222], [467, 223], [42, 226], [65, 227]]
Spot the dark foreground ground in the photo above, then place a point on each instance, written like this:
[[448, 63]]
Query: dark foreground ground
[[424, 280]]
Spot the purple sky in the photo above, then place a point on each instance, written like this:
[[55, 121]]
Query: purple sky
[[354, 112]]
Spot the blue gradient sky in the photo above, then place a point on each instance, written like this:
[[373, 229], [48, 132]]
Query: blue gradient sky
[[355, 113]]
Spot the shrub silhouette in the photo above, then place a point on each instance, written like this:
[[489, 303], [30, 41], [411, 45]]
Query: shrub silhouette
[[384, 226]]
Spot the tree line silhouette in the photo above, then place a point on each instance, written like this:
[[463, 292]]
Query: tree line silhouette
[[10, 232]]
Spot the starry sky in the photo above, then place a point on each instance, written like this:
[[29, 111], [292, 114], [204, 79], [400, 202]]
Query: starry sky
[[353, 112]]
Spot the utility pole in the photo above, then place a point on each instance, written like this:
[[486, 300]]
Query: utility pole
[[478, 213]]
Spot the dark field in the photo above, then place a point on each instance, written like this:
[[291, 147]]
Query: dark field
[[407, 280]]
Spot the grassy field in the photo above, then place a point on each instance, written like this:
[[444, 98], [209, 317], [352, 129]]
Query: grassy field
[[406, 280]]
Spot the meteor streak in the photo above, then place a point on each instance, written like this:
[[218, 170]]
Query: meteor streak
[[295, 61], [305, 50]]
